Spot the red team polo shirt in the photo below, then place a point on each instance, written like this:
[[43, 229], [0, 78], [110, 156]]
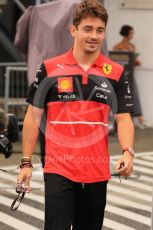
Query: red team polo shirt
[[77, 104]]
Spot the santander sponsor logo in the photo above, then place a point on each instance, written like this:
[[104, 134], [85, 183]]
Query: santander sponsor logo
[[103, 88]]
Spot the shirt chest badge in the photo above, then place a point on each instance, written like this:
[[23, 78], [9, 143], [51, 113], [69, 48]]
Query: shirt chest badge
[[107, 68], [65, 84]]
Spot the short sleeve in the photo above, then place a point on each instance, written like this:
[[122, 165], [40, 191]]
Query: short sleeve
[[36, 96], [124, 95]]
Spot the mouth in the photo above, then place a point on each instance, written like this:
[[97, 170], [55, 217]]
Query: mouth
[[92, 43]]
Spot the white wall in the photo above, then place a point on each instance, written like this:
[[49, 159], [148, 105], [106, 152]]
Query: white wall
[[142, 21]]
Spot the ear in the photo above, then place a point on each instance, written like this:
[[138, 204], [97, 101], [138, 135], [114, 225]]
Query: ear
[[73, 30]]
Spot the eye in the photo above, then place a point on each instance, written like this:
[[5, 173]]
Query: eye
[[87, 29], [100, 31]]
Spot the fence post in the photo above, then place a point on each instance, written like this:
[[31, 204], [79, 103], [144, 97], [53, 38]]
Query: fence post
[[7, 85]]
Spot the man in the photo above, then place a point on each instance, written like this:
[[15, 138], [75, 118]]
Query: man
[[75, 91]]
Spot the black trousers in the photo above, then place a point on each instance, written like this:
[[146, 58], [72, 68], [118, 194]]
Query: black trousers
[[70, 203]]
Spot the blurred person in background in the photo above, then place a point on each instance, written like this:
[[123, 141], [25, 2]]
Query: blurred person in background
[[125, 44]]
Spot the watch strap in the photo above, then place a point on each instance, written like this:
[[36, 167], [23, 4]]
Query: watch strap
[[130, 150]]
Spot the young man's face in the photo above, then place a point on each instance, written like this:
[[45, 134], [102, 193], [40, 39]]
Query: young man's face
[[89, 35]]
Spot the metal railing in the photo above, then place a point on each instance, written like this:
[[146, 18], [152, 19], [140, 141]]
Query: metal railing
[[14, 83], [17, 86]]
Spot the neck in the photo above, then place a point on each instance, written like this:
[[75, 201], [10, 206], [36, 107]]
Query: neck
[[85, 59], [125, 40]]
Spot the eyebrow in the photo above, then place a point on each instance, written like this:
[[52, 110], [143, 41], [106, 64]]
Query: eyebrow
[[88, 26]]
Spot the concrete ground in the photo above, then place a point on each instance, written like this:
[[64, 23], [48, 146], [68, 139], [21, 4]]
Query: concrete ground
[[143, 142]]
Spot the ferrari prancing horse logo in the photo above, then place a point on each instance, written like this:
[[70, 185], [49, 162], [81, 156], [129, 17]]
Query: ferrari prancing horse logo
[[107, 68]]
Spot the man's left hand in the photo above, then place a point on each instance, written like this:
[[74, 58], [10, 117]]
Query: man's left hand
[[124, 165]]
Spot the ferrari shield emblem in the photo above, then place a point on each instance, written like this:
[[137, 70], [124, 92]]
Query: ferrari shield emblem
[[107, 68]]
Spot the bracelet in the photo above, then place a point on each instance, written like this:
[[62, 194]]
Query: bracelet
[[25, 159], [25, 165]]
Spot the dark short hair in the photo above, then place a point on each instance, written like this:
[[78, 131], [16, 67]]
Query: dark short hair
[[125, 30], [89, 8]]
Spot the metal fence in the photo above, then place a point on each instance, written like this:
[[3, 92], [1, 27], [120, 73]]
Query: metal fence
[[13, 87]]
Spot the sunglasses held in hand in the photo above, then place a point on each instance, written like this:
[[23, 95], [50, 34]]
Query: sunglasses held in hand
[[21, 190]]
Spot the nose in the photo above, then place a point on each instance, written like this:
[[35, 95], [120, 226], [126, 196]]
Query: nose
[[94, 34]]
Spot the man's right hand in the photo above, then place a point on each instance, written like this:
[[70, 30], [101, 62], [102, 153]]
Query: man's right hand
[[25, 176]]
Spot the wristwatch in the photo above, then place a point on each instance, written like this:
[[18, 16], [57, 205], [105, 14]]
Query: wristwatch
[[130, 150]]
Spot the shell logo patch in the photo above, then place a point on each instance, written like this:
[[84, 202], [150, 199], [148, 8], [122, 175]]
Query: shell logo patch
[[107, 68], [65, 84]]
